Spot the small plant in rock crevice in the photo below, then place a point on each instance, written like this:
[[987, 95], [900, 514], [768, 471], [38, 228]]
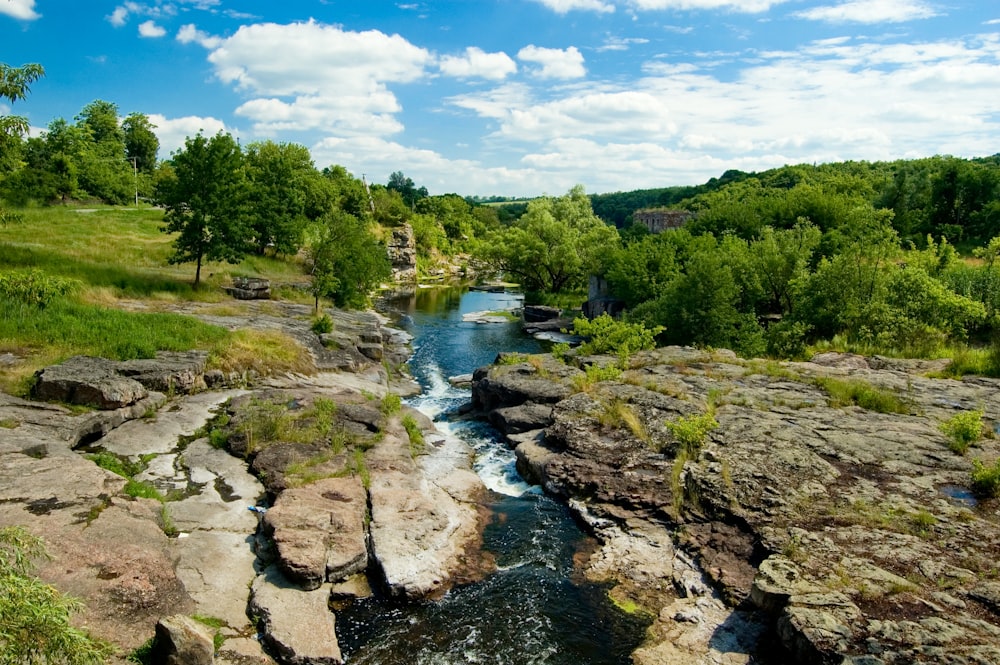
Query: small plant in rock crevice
[[963, 430]]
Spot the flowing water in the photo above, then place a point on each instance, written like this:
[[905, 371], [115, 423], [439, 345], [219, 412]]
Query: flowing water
[[533, 610]]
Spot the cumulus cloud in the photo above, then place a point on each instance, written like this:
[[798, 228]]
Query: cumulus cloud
[[190, 34], [870, 11], [554, 63], [172, 132], [685, 122], [20, 9], [151, 30], [315, 76], [476, 63], [566, 6]]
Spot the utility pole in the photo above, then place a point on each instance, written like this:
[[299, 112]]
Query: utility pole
[[135, 176]]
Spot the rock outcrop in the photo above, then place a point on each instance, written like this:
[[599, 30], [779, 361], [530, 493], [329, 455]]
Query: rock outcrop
[[851, 531], [402, 248]]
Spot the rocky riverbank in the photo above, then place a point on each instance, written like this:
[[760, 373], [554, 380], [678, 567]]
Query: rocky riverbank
[[801, 528], [275, 497]]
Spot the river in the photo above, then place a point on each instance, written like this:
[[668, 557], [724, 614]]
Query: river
[[534, 610]]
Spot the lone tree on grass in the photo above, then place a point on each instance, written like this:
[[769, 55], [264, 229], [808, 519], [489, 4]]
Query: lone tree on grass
[[15, 83], [205, 200]]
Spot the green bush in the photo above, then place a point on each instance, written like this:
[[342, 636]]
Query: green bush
[[391, 404], [322, 325], [963, 430], [33, 287], [594, 374], [34, 617], [608, 335], [986, 479], [690, 431]]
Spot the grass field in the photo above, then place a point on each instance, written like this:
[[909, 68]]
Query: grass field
[[110, 254]]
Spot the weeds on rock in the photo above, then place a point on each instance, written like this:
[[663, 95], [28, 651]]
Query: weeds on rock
[[691, 431], [322, 325], [391, 404], [986, 479], [963, 430], [593, 375], [620, 414], [855, 392], [417, 442]]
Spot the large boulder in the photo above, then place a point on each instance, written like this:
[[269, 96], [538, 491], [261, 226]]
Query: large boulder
[[181, 640], [319, 531], [87, 381]]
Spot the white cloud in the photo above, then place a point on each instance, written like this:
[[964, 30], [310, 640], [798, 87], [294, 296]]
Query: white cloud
[[684, 123], [566, 6], [742, 6], [173, 131], [118, 17], [20, 9], [191, 34], [621, 43], [871, 11], [314, 76], [555, 63], [151, 30], [477, 63]]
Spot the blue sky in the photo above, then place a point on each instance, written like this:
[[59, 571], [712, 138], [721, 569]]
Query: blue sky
[[525, 97]]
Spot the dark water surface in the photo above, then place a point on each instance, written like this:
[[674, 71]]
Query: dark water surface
[[532, 610]]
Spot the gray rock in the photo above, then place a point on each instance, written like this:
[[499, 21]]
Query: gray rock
[[169, 372], [522, 418], [319, 530], [296, 625], [181, 640], [536, 313], [87, 381]]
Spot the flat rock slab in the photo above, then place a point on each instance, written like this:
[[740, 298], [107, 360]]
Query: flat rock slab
[[297, 625], [160, 433], [319, 531], [425, 519], [216, 568]]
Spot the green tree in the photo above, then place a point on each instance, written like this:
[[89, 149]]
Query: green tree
[[141, 143], [34, 617], [406, 188], [345, 260], [779, 258], [553, 246], [15, 83], [278, 175], [205, 201]]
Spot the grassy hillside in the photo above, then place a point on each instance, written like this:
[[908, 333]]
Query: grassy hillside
[[109, 258]]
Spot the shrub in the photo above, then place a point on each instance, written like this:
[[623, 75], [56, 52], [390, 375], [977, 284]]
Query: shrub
[[608, 335], [33, 287], [34, 617], [690, 431], [593, 375], [986, 479], [963, 430], [322, 325]]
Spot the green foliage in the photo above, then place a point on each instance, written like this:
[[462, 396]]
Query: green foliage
[[391, 404], [277, 175], [121, 466], [261, 422], [143, 489], [553, 246], [855, 392], [691, 431], [963, 430], [322, 324], [205, 198], [33, 287], [417, 442], [345, 260], [34, 617], [594, 374], [986, 479], [608, 335]]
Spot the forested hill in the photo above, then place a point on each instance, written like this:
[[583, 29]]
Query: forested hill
[[958, 199]]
